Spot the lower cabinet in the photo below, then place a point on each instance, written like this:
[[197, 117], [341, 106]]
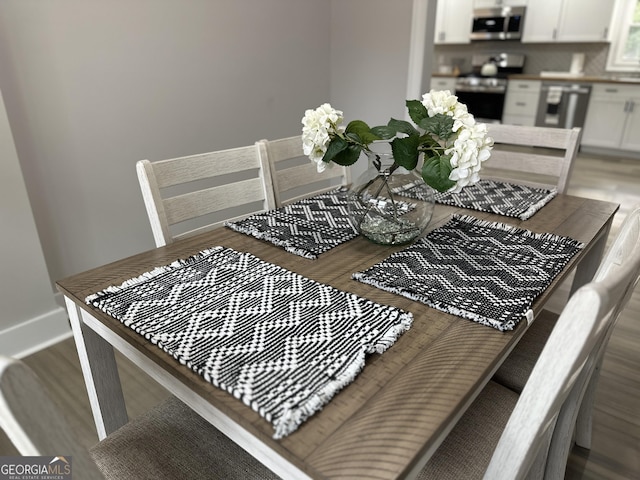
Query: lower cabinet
[[521, 102], [443, 83], [613, 117]]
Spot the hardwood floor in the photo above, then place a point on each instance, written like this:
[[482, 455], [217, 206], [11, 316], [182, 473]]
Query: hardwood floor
[[615, 453]]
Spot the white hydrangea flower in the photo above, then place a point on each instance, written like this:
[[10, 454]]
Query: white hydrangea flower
[[442, 101], [470, 147], [318, 128]]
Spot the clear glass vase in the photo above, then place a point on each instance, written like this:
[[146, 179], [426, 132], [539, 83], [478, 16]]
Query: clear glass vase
[[389, 205]]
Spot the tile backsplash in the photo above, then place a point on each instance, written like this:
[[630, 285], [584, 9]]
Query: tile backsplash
[[539, 56]]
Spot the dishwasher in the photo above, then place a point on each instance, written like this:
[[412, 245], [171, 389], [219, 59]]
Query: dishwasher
[[562, 105]]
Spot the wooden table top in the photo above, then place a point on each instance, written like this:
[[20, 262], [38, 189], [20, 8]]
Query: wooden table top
[[405, 401]]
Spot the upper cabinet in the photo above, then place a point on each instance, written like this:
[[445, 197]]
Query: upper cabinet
[[567, 21], [453, 21]]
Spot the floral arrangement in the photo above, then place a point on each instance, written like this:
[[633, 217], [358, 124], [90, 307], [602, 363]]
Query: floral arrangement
[[453, 144]]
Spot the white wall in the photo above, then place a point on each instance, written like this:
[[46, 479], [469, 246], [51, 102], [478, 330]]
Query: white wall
[[29, 314], [92, 86], [371, 43]]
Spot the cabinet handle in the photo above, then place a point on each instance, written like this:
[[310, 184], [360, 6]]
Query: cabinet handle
[[605, 33], [521, 104], [611, 90], [555, 34], [632, 104], [626, 106], [523, 85]]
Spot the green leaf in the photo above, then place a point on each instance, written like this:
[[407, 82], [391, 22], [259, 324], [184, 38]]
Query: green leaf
[[417, 111], [405, 151], [384, 132], [348, 156], [403, 127], [439, 125], [336, 146], [362, 130], [436, 171]]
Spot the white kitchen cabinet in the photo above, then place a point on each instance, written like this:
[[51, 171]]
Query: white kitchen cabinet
[[499, 3], [453, 21], [567, 21], [443, 83], [613, 117], [521, 102]]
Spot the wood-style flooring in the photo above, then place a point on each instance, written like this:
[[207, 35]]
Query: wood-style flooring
[[615, 453]]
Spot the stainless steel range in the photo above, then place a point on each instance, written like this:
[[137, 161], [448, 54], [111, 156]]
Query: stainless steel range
[[484, 89]]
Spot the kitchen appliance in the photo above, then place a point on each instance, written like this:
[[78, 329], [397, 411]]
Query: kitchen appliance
[[484, 94], [562, 104], [501, 23]]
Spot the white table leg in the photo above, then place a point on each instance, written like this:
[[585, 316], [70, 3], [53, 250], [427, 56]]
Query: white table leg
[[586, 269], [100, 374]]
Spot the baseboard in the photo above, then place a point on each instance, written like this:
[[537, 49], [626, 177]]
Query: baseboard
[[36, 334]]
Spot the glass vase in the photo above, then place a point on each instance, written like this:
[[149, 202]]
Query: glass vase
[[387, 204]]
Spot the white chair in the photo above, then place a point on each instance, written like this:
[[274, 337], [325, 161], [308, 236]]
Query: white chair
[[514, 373], [538, 422], [534, 156], [187, 195], [168, 442], [295, 176]]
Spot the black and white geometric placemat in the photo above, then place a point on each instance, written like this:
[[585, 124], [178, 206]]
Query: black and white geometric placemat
[[511, 200], [307, 228], [487, 272], [281, 343]]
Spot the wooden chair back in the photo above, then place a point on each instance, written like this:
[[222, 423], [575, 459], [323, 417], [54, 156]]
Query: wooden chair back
[[295, 176], [558, 380], [186, 195], [574, 420], [534, 156]]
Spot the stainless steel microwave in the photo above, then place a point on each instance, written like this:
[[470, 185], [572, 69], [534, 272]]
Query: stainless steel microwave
[[502, 23]]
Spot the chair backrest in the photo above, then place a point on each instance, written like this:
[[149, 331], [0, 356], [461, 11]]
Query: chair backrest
[[187, 195], [33, 422], [535, 156], [295, 176], [568, 358], [580, 401]]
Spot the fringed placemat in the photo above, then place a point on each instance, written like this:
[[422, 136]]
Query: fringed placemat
[[487, 272], [280, 342], [511, 200], [307, 228]]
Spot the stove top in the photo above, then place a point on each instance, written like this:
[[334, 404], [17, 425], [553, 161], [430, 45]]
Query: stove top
[[506, 63], [478, 83]]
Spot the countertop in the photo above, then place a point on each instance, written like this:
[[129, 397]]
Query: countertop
[[621, 79]]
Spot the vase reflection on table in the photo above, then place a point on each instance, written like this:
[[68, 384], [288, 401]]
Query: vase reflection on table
[[388, 204]]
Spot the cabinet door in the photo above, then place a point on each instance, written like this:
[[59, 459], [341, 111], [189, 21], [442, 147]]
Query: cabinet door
[[631, 135], [541, 21], [584, 20], [443, 83], [605, 121], [453, 21]]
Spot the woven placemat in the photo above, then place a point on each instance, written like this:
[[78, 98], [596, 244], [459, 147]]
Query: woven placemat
[[307, 228], [511, 200], [486, 272], [279, 342]]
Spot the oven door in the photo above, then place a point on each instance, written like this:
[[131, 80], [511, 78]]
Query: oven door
[[485, 105]]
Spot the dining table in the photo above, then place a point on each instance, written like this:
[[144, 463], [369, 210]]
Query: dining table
[[391, 418]]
